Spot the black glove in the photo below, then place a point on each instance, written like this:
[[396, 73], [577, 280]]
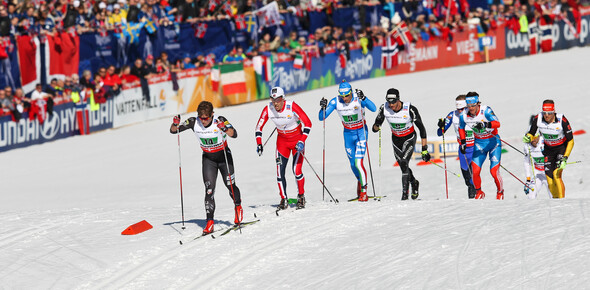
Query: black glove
[[441, 123], [259, 149], [323, 103], [360, 94], [380, 117], [463, 148], [176, 120], [425, 154], [480, 126]]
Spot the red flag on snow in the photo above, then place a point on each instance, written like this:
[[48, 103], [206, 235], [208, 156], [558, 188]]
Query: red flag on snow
[[29, 59], [63, 55]]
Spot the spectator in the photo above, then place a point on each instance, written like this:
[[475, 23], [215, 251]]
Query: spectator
[[140, 70], [112, 79], [127, 77], [187, 62], [6, 105], [271, 45], [149, 64], [87, 80]]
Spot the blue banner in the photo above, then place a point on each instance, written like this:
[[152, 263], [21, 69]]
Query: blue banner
[[9, 67], [61, 124], [563, 38]]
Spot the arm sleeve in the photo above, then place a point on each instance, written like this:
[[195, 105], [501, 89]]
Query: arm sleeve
[[381, 117], [228, 125], [494, 122], [187, 124], [569, 136], [304, 120], [418, 121], [331, 107], [461, 130], [533, 127], [260, 125], [448, 122], [366, 103]]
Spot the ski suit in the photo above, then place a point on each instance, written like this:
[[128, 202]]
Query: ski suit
[[403, 137], [355, 132], [213, 143], [487, 142], [534, 168], [293, 126], [559, 141], [464, 159]]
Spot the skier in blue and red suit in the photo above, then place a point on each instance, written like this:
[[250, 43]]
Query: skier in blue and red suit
[[351, 108], [464, 159], [485, 126]]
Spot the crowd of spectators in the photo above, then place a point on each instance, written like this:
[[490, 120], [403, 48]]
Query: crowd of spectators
[[425, 20]]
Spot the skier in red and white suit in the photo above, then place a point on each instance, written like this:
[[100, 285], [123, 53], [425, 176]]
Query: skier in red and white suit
[[293, 127]]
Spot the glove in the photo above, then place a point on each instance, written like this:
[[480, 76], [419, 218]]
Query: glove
[[563, 162], [300, 146], [527, 138], [480, 126], [425, 154], [361, 95], [259, 149], [323, 103], [380, 117], [176, 120], [463, 147], [441, 123], [527, 186], [221, 126]]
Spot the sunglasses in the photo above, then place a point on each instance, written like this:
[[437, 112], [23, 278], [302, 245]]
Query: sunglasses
[[471, 105], [548, 113], [204, 118]]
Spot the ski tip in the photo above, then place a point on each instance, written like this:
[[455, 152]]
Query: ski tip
[[183, 227], [255, 215], [212, 236], [180, 242], [277, 212]]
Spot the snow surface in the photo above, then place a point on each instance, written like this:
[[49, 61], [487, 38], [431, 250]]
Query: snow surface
[[64, 204]]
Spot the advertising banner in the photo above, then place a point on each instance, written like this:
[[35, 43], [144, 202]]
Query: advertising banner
[[438, 53], [61, 124]]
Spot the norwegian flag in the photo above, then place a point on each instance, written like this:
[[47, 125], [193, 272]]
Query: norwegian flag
[[389, 53], [402, 35], [212, 5], [227, 8], [201, 30], [240, 22]]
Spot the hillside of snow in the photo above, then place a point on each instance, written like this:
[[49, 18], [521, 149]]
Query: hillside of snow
[[64, 204]]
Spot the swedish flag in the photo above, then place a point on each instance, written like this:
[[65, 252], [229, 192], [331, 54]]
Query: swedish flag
[[131, 31], [150, 27]]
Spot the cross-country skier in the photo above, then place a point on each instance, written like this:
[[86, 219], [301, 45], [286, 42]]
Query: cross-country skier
[[534, 167], [350, 107], [293, 127], [559, 142], [464, 159], [211, 131], [485, 126], [402, 118]]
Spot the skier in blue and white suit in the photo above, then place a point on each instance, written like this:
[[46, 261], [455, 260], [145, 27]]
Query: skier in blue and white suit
[[464, 159], [351, 108]]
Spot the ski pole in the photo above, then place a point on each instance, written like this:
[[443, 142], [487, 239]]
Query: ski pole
[[273, 131], [231, 181], [574, 162], [509, 145], [451, 172], [380, 191], [180, 174], [324, 156], [316, 174], [517, 178], [445, 161]]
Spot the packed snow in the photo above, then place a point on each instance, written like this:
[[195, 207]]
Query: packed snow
[[64, 204]]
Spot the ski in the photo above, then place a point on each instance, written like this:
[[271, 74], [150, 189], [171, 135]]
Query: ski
[[237, 227], [377, 198]]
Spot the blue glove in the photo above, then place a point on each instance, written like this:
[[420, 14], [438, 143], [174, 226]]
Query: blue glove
[[300, 146]]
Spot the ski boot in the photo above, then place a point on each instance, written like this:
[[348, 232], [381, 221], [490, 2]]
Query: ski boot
[[300, 201], [404, 195], [358, 190], [480, 195], [415, 185], [284, 204], [363, 194], [471, 192], [239, 215], [500, 195], [208, 228]]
